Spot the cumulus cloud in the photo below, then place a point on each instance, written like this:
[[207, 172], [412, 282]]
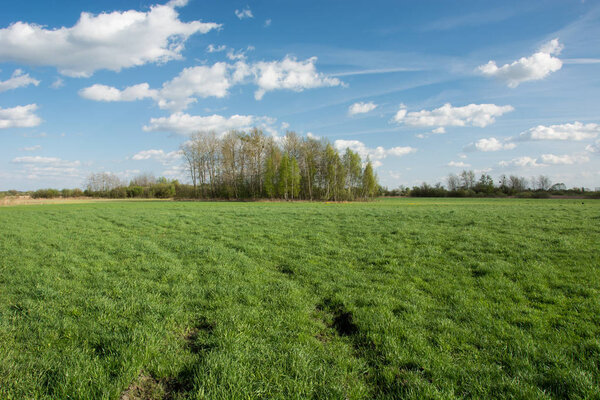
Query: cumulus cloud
[[211, 48], [458, 164], [165, 158], [116, 40], [185, 124], [376, 154], [522, 162], [216, 80], [575, 131], [479, 115], [35, 167], [489, 144], [290, 74], [361, 108], [535, 67], [245, 13], [108, 93], [19, 117], [593, 148], [201, 81], [18, 79], [564, 159]]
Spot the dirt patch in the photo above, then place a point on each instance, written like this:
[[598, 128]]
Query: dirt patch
[[145, 387]]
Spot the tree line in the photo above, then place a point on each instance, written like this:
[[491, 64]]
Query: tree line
[[248, 165], [466, 184], [243, 165]]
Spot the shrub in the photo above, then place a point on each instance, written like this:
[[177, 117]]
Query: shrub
[[162, 190], [135, 191], [45, 194], [118, 193]]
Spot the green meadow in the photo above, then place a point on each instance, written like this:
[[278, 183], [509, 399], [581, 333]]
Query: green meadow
[[390, 299]]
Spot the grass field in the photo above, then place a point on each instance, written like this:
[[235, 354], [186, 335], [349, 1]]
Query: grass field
[[438, 298]]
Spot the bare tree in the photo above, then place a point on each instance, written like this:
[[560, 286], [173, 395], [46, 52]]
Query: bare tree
[[453, 182], [542, 182], [144, 179], [102, 182], [467, 179]]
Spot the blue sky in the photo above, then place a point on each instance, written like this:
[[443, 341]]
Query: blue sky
[[423, 88]]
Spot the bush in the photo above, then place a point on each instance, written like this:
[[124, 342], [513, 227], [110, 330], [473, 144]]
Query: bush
[[66, 193], [45, 194], [118, 193], [186, 192], [77, 193], [163, 191], [135, 191]]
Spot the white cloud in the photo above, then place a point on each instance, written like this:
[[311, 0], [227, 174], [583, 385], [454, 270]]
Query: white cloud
[[522, 162], [575, 131], [459, 164], [58, 83], [19, 117], [116, 40], [185, 124], [593, 148], [176, 94], [243, 14], [290, 74], [489, 144], [32, 148], [311, 135], [268, 23], [201, 81], [564, 159], [535, 67], [165, 158], [240, 54], [361, 108], [36, 167], [216, 80], [376, 154], [107, 93], [211, 48], [479, 115], [437, 131], [18, 79]]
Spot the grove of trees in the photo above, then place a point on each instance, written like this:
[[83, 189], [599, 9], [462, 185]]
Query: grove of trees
[[242, 165]]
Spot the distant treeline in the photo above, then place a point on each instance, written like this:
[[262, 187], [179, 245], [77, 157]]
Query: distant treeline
[[241, 165], [248, 165], [466, 184]]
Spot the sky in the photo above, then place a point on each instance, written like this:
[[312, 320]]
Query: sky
[[422, 88]]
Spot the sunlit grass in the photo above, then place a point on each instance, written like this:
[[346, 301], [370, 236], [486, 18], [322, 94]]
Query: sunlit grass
[[406, 298]]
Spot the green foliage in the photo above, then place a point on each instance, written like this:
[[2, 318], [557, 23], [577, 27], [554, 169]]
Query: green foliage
[[162, 190], [284, 177], [403, 298], [294, 178], [369, 182], [46, 194], [270, 177], [135, 191]]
